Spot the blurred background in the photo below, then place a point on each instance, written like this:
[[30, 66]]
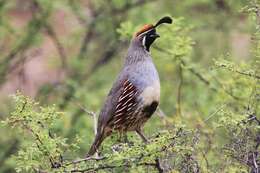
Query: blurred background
[[68, 52]]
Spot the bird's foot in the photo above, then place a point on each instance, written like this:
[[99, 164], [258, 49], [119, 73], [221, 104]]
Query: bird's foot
[[140, 133], [95, 157]]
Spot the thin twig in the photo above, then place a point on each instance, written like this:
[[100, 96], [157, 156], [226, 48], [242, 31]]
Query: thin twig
[[178, 107], [212, 114], [104, 167], [85, 159], [91, 113], [95, 123], [252, 75]]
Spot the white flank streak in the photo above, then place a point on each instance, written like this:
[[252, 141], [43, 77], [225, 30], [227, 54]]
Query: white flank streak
[[118, 114], [128, 109], [130, 86], [130, 99], [126, 96], [125, 91], [130, 104], [119, 110], [117, 121], [118, 105]]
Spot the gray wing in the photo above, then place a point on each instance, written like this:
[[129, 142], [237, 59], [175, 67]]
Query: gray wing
[[120, 102], [109, 106]]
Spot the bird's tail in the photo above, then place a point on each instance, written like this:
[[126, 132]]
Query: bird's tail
[[98, 140]]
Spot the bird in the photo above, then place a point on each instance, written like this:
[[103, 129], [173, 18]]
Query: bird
[[135, 94]]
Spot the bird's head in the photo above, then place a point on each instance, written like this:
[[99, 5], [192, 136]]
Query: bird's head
[[147, 34]]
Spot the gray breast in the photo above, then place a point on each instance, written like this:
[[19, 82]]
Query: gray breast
[[145, 77]]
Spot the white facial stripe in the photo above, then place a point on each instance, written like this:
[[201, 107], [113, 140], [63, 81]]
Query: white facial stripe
[[143, 41]]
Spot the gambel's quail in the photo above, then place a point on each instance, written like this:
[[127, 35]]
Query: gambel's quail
[[135, 94]]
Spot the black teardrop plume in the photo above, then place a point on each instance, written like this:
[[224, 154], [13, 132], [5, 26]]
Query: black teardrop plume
[[165, 19]]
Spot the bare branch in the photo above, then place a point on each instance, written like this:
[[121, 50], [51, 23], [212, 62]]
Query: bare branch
[[91, 113], [56, 41], [253, 75]]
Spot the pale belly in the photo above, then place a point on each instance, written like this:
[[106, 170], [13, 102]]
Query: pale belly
[[151, 94]]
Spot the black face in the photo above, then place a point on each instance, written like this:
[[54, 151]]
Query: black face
[[149, 38]]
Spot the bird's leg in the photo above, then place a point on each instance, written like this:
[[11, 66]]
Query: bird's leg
[[125, 138], [120, 136], [140, 133]]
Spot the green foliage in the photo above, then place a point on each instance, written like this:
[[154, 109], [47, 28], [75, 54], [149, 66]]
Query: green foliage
[[42, 149], [126, 30], [177, 148]]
